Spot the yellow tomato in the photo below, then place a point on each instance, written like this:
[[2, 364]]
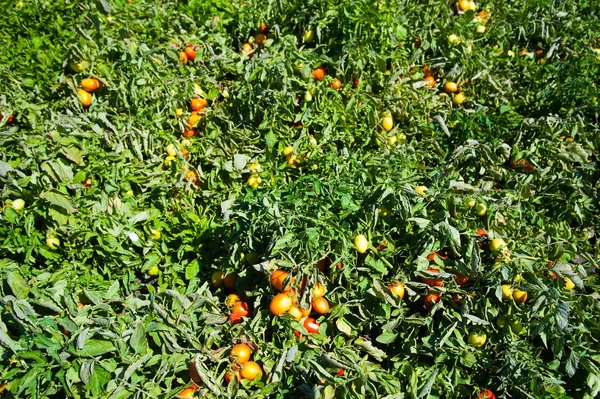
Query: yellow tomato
[[387, 123], [480, 29], [361, 243], [52, 242], [497, 245], [318, 290], [171, 150], [421, 189], [507, 291], [85, 98], [288, 150], [519, 296], [477, 340], [397, 289], [168, 160], [155, 234], [451, 87], [463, 5], [569, 284], [459, 98]]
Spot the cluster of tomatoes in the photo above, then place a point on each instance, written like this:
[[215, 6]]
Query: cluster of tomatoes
[[87, 87], [189, 54], [257, 40], [197, 105], [287, 301]]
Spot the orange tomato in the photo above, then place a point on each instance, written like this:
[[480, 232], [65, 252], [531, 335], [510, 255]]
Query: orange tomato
[[250, 371], [397, 289], [247, 48], [241, 308], [429, 81], [90, 84], [188, 133], [277, 278], [229, 376], [485, 394], [320, 305], [240, 353], [336, 84], [263, 28], [194, 119], [260, 38], [318, 73], [451, 87], [280, 304], [190, 53], [431, 299], [196, 104], [296, 312], [85, 98], [183, 57], [191, 175], [306, 312], [187, 393], [236, 317], [432, 281]]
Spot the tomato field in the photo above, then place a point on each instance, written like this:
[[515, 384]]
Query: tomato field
[[288, 199]]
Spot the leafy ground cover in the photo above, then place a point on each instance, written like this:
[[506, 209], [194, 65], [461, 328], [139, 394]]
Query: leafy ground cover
[[285, 199]]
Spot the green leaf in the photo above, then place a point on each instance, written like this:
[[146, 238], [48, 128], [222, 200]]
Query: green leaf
[[387, 337], [138, 340], [17, 284], [59, 199], [96, 347]]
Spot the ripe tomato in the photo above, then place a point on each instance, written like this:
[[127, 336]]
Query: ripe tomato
[[194, 119], [229, 376], [431, 299], [85, 98], [311, 325], [280, 304], [397, 289], [247, 48], [323, 264], [497, 245], [457, 299], [318, 290], [318, 73], [320, 305], [240, 353], [432, 281], [183, 57], [236, 317], [187, 393], [296, 313], [519, 296], [191, 176], [429, 81], [190, 53], [340, 372], [450, 87], [196, 104], [277, 278], [188, 133], [241, 308], [232, 299], [263, 28], [336, 84], [229, 281], [477, 340], [361, 243], [250, 371], [194, 374], [460, 278], [260, 38], [481, 233], [485, 394], [90, 84]]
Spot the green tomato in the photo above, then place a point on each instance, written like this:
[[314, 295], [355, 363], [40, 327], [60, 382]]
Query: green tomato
[[154, 270], [18, 204], [52, 242], [477, 340], [308, 96], [497, 245], [470, 203], [516, 327], [309, 36], [480, 209]]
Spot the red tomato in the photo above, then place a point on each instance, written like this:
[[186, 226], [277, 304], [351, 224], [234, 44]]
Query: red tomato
[[190, 52], [318, 73], [311, 325], [431, 299], [486, 394]]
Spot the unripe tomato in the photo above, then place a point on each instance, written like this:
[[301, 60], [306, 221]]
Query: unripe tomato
[[85, 98], [280, 304], [250, 371], [311, 325], [153, 271], [296, 313], [217, 278], [432, 281], [277, 278], [569, 284], [320, 305], [480, 29], [519, 296], [477, 340], [431, 299], [453, 39], [52, 242], [497, 245], [240, 354], [387, 122], [429, 81], [516, 327], [309, 36], [241, 308], [196, 104], [397, 289], [501, 322], [318, 290], [307, 96], [507, 291], [232, 299], [90, 84], [459, 98], [190, 53], [361, 243], [318, 73], [19, 204], [421, 190], [480, 209], [287, 151], [470, 203], [171, 150], [450, 87], [336, 84]]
